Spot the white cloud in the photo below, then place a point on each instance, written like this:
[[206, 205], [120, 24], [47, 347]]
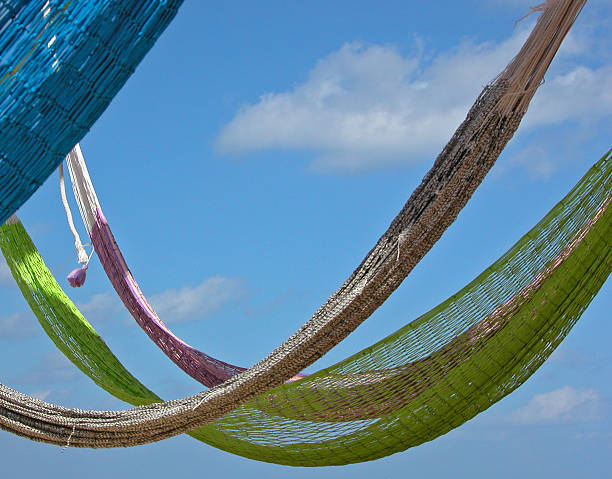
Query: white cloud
[[53, 368], [365, 107], [101, 306], [18, 325], [536, 158], [195, 302], [42, 395], [581, 92], [560, 406], [6, 278]]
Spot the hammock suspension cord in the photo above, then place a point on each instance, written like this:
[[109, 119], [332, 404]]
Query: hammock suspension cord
[[76, 278]]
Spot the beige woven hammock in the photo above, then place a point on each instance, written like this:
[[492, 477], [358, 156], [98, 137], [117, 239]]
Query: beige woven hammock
[[433, 206]]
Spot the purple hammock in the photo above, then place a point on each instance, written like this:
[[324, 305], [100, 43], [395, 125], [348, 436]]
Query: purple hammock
[[203, 368]]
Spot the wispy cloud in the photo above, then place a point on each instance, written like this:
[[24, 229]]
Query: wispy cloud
[[580, 93], [18, 325], [52, 368], [42, 395], [539, 158], [101, 306], [561, 406], [6, 278], [195, 302], [574, 358], [370, 106]]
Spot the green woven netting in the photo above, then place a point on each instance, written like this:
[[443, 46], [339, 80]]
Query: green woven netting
[[429, 377]]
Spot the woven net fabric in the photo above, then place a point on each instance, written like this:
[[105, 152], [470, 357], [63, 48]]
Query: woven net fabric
[[61, 63], [450, 364], [427, 378], [433, 206]]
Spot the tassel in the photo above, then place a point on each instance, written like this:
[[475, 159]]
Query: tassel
[[77, 277]]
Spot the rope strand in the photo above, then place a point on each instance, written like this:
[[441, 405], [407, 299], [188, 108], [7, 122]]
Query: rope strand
[[82, 254]]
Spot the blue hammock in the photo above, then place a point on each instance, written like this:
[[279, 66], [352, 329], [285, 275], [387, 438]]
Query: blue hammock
[[61, 63]]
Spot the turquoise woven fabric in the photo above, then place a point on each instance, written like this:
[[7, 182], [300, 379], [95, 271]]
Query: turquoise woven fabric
[[62, 62]]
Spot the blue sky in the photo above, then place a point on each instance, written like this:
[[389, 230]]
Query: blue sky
[[249, 146]]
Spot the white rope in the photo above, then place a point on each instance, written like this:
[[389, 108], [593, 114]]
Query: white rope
[[82, 187], [82, 254]]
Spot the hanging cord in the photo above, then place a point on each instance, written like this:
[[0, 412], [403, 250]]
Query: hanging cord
[[83, 256], [77, 277]]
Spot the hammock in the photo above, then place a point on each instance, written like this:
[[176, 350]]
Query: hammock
[[433, 206], [207, 370], [62, 63], [503, 325], [366, 395], [200, 366]]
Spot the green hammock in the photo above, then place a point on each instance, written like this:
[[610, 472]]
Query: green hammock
[[422, 381]]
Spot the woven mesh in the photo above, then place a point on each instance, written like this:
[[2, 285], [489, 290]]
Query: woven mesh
[[427, 378], [202, 367], [62, 61], [433, 206]]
